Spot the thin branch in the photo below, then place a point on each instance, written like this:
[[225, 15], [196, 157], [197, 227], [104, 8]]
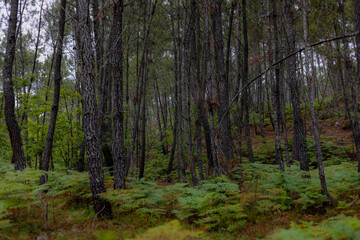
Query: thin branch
[[276, 63], [93, 222], [46, 214]]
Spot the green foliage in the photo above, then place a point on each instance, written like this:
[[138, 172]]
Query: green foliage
[[213, 204], [157, 166], [18, 190], [20, 195], [331, 152], [265, 153], [336, 228], [73, 184]]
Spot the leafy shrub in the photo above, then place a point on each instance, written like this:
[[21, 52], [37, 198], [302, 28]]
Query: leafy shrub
[[331, 152], [18, 190], [213, 204]]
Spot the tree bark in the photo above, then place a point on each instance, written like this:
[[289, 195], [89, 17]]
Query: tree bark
[[186, 74], [319, 158], [12, 125], [103, 84], [245, 81], [275, 80], [299, 150], [93, 145], [357, 50], [144, 75], [118, 114], [176, 108], [211, 100], [222, 83]]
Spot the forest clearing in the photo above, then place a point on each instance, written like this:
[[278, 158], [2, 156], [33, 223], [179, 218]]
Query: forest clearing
[[180, 119]]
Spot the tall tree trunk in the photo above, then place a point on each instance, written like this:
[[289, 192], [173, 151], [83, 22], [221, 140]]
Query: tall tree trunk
[[245, 82], [76, 35], [104, 68], [144, 75], [324, 190], [176, 108], [93, 145], [118, 115], [56, 99], [353, 117], [33, 70], [357, 50], [240, 106], [99, 41], [222, 83], [275, 80], [186, 74], [180, 141], [159, 111], [198, 86], [299, 150], [211, 101], [12, 125], [143, 123]]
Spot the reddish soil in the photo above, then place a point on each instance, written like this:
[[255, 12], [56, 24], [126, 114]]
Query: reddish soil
[[336, 128]]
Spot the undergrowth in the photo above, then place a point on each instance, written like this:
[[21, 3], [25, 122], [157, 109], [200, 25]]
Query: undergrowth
[[254, 194], [336, 228]]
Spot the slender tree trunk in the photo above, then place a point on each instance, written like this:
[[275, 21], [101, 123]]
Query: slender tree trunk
[[159, 111], [275, 80], [211, 101], [283, 124], [353, 117], [33, 70], [118, 115], [44, 165], [312, 108], [261, 103], [186, 74], [223, 88], [299, 150], [357, 51], [197, 85], [240, 106], [93, 145], [245, 81], [12, 125], [99, 41], [81, 157], [144, 75], [143, 125], [104, 69], [176, 108]]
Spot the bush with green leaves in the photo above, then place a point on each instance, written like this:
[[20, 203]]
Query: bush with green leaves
[[214, 204], [18, 191], [332, 153], [291, 189]]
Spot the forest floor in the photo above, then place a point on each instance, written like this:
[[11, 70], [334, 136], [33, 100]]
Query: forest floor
[[254, 201]]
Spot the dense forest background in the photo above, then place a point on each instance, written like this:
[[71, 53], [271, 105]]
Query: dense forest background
[[205, 119]]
